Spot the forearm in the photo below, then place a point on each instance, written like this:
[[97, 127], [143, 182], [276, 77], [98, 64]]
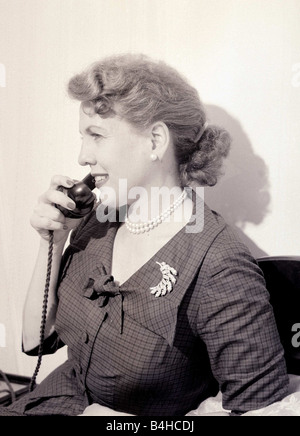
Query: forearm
[[35, 295]]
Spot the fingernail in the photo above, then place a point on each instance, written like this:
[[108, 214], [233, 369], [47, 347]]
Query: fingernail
[[71, 205], [70, 182], [65, 227]]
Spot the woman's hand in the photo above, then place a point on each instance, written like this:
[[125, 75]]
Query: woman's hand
[[47, 217], [98, 410]]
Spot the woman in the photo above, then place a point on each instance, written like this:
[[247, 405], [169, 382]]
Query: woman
[[160, 307]]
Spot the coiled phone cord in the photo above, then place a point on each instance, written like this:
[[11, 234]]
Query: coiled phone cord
[[44, 313]]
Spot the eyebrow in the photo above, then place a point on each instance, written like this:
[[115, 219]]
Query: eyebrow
[[89, 129]]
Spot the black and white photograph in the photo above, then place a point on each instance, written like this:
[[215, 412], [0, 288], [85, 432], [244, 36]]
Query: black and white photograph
[[150, 213]]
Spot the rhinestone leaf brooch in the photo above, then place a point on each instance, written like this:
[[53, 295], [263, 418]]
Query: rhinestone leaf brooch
[[168, 280]]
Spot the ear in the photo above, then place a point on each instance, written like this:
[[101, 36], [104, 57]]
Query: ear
[[160, 138]]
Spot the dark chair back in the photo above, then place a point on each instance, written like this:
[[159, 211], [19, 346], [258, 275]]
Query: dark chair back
[[282, 275]]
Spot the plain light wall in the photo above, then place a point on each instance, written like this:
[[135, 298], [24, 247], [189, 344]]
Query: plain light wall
[[243, 57]]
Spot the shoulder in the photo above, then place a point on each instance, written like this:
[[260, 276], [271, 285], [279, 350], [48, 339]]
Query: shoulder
[[227, 258], [226, 246]]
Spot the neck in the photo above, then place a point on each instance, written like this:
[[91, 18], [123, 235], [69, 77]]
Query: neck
[[159, 204]]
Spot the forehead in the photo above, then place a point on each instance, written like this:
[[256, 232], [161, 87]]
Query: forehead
[[89, 119]]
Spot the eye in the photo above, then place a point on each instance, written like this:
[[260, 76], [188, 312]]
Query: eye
[[96, 136]]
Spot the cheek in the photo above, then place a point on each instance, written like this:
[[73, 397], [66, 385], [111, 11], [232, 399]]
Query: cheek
[[131, 167], [135, 151]]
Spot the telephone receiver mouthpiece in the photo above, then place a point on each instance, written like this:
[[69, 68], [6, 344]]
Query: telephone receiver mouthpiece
[[81, 194]]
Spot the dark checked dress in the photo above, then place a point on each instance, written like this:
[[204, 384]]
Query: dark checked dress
[[146, 355]]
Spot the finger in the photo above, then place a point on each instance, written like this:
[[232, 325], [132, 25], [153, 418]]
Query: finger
[[47, 210], [46, 223], [56, 197], [59, 180]]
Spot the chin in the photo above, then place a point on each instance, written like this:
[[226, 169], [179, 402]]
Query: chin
[[112, 210], [114, 193]]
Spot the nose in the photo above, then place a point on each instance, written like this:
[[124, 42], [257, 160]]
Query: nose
[[86, 155]]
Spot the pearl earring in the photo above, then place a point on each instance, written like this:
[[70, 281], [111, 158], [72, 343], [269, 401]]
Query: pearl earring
[[153, 157]]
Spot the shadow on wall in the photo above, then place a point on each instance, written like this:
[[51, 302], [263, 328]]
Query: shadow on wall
[[242, 194]]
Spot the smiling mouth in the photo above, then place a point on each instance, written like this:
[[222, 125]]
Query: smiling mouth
[[100, 179]]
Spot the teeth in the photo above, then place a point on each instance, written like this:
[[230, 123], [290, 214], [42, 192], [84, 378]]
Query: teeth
[[100, 178]]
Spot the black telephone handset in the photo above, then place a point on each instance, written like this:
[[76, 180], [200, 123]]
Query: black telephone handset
[[81, 194]]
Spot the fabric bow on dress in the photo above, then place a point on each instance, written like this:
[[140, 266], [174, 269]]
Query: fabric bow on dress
[[102, 287]]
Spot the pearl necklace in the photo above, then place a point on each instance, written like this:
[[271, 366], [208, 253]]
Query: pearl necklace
[[151, 224]]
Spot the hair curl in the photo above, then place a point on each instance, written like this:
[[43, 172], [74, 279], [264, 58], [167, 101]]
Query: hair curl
[[144, 91]]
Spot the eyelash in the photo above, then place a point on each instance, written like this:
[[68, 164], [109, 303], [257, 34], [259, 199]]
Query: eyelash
[[96, 136]]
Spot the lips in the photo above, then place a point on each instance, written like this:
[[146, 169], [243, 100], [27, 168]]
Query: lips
[[100, 179]]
